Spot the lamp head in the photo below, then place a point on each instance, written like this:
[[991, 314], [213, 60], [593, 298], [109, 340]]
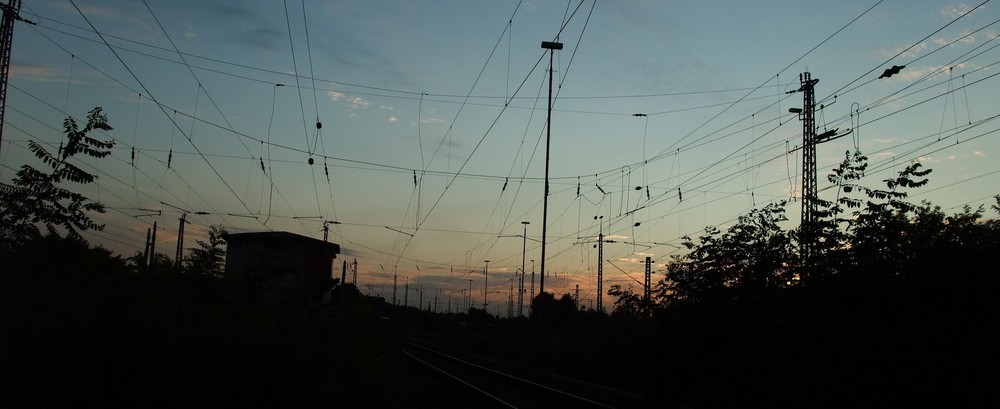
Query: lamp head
[[550, 45]]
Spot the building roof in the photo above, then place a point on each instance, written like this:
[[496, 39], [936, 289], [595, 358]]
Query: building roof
[[281, 237]]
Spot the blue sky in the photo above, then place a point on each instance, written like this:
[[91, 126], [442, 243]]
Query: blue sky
[[454, 94]]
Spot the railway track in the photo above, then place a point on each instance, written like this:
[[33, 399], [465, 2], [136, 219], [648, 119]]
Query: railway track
[[494, 388]]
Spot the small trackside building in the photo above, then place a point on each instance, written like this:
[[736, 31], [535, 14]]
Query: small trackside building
[[281, 265]]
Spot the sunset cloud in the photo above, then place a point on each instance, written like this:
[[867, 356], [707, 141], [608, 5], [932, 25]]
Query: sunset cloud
[[35, 73]]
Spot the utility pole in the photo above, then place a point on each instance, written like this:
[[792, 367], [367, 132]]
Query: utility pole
[[11, 13], [520, 285], [532, 297], [486, 286], [600, 260], [393, 286], [152, 246], [145, 250], [180, 241], [406, 298], [510, 299], [600, 265], [468, 297], [645, 294], [326, 228], [355, 270], [552, 47], [343, 273], [576, 297], [150, 250], [807, 114]]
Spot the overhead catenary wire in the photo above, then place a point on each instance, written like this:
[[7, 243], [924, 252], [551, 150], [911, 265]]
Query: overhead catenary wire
[[714, 180], [159, 104], [141, 84]]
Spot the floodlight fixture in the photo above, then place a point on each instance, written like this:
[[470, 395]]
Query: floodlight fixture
[[551, 45]]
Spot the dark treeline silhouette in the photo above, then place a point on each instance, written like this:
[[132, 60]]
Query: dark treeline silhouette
[[893, 305], [85, 328]]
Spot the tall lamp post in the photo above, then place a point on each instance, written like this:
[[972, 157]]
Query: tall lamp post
[[520, 285], [486, 281], [600, 264], [552, 47], [532, 291]]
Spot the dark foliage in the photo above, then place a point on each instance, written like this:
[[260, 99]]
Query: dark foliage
[[83, 328], [38, 198], [555, 313], [209, 258], [896, 308]]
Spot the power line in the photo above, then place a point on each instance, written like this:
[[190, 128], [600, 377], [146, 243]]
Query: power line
[[136, 77]]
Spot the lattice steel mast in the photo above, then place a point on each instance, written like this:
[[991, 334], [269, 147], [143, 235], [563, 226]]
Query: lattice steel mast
[[11, 13]]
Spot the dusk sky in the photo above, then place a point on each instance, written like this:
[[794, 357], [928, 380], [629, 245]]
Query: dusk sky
[[432, 146]]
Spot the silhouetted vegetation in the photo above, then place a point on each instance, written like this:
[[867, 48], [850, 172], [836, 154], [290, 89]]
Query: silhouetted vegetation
[[38, 198], [84, 328], [894, 306], [209, 258]]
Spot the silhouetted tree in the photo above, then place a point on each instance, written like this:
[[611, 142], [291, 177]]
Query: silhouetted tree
[[628, 304], [554, 312], [209, 258], [751, 256], [828, 228], [160, 263], [37, 198], [881, 231]]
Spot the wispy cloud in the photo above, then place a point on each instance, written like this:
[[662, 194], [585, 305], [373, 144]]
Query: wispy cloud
[[392, 112], [358, 102], [967, 38], [432, 120], [351, 101], [920, 72], [36, 73], [955, 11], [908, 53]]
